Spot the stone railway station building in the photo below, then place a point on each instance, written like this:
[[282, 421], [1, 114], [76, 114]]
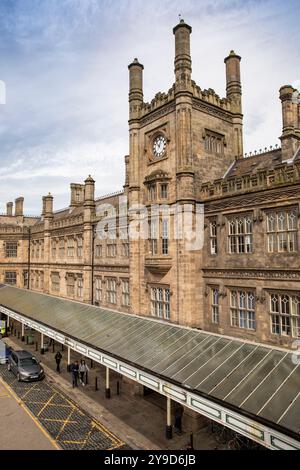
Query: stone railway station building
[[185, 148]]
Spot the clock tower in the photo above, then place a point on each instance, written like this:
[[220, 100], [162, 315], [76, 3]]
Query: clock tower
[[178, 141]]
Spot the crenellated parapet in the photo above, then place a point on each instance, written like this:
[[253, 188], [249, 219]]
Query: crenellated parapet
[[207, 96], [211, 97], [11, 229], [67, 221], [63, 222], [187, 99], [282, 174], [159, 100]]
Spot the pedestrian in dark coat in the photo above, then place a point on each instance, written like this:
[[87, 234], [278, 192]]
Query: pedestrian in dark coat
[[75, 373], [58, 358], [178, 418]]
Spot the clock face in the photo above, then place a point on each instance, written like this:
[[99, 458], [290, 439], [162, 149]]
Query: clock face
[[159, 146]]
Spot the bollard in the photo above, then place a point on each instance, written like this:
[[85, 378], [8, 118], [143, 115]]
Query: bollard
[[36, 346], [86, 378], [118, 387], [169, 432], [192, 440], [96, 384], [92, 363]]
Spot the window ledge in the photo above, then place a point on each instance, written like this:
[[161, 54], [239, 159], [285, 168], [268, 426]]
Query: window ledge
[[158, 263]]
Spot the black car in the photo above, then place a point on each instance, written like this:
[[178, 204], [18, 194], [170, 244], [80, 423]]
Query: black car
[[25, 366]]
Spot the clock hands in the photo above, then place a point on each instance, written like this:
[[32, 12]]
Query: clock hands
[[159, 146]]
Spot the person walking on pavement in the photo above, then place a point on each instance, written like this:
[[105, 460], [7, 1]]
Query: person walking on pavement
[[58, 358], [75, 373], [83, 369], [178, 419]]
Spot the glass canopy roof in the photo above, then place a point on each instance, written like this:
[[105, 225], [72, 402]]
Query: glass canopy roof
[[250, 377]]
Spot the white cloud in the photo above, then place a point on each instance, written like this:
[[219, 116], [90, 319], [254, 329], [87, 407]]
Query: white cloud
[[2, 92], [65, 66]]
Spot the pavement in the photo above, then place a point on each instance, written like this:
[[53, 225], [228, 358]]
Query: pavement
[[138, 421], [14, 416]]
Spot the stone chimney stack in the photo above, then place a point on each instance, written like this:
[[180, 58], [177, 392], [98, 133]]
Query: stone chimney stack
[[183, 61], [126, 171], [9, 209], [290, 138], [299, 111], [89, 192], [233, 80], [77, 194], [19, 206], [234, 94], [48, 206], [136, 95], [43, 206], [88, 237]]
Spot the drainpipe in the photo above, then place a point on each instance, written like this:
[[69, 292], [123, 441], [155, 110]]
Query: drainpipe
[[93, 264], [28, 267]]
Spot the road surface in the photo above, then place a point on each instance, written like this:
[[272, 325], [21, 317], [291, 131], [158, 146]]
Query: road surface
[[18, 429], [52, 414]]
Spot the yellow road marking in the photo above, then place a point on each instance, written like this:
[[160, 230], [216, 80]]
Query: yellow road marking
[[29, 390], [49, 404], [87, 437], [65, 423], [94, 424], [115, 440], [57, 420], [3, 396], [116, 446], [46, 404], [71, 442], [73, 405], [105, 431], [12, 393]]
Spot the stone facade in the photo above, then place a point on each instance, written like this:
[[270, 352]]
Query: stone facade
[[185, 152]]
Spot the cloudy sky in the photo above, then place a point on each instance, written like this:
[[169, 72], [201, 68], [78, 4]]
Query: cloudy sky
[[64, 64]]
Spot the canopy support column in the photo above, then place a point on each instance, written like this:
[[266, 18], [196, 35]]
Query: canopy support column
[[107, 387], [23, 332], [69, 359], [42, 343], [169, 433]]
